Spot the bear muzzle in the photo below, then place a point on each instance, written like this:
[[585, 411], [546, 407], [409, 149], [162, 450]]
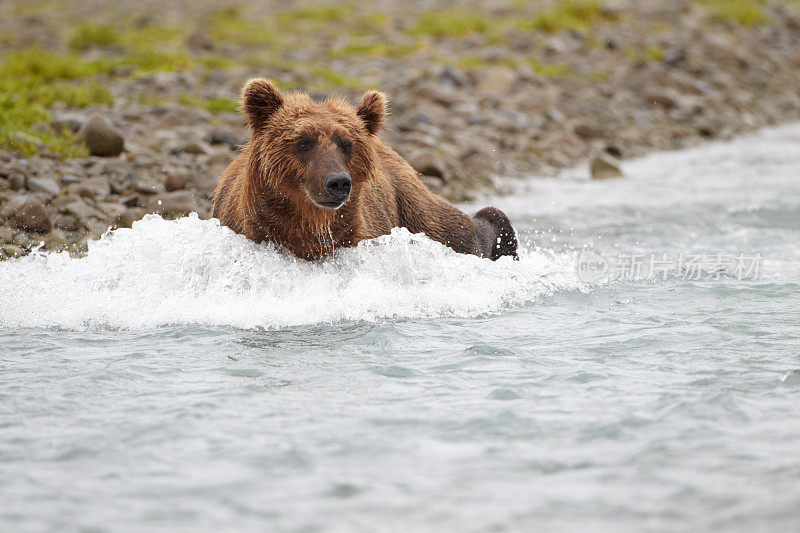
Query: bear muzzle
[[337, 185]]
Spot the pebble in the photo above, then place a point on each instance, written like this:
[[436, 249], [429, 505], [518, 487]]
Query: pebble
[[82, 210], [497, 80], [67, 222], [427, 163], [225, 136], [147, 187], [70, 121], [198, 40], [452, 76], [663, 99], [97, 187], [11, 250], [604, 166], [6, 234], [45, 185], [101, 137], [585, 130], [129, 216], [113, 210], [172, 203], [176, 180], [95, 227], [57, 239], [195, 147], [28, 212], [16, 181]]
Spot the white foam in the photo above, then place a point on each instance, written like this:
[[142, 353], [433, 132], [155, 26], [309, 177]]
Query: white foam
[[192, 271]]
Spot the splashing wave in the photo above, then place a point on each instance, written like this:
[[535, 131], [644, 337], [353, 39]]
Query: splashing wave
[[193, 271]]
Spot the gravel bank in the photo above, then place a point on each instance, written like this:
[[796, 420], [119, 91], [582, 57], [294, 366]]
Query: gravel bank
[[491, 89]]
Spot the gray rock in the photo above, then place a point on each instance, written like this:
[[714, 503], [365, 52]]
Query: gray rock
[[132, 200], [16, 181], [476, 120], [427, 163], [452, 76], [176, 180], [586, 131], [663, 99], [96, 187], [224, 136], [66, 222], [554, 114], [497, 80], [56, 239], [204, 182], [101, 137], [6, 234], [68, 179], [172, 203], [20, 140], [130, 216], [195, 147], [11, 250], [69, 121], [23, 239], [147, 186], [199, 41], [95, 227], [45, 185], [603, 166], [675, 57], [28, 212], [82, 211], [113, 210]]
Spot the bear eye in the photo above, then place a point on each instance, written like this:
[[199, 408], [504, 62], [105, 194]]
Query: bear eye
[[304, 144], [346, 146]]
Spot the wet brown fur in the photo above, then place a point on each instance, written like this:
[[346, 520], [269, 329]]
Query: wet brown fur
[[267, 191]]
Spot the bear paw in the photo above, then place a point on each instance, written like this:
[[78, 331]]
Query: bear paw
[[496, 235]]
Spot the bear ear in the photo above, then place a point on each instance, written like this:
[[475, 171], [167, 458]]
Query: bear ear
[[372, 109], [260, 100]]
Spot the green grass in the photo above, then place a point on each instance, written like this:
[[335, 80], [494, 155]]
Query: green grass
[[153, 60], [449, 23], [477, 62], [48, 66], [331, 79], [373, 48], [233, 26], [545, 70], [564, 15], [33, 80], [333, 13], [548, 70], [567, 15], [655, 53], [93, 34], [215, 105], [742, 12]]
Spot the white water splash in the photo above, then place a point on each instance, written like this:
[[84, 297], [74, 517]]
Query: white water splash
[[192, 271]]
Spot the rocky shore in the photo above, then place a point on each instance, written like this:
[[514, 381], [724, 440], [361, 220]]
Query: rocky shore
[[141, 116]]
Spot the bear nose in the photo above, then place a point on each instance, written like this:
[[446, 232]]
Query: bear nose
[[337, 184]]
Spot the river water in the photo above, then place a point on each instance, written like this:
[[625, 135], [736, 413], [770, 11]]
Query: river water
[[637, 369]]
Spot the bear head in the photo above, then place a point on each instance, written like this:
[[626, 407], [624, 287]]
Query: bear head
[[318, 155]]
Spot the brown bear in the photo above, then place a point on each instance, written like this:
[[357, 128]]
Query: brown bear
[[317, 176]]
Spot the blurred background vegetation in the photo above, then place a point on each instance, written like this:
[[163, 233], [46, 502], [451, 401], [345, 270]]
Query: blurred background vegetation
[[70, 54]]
